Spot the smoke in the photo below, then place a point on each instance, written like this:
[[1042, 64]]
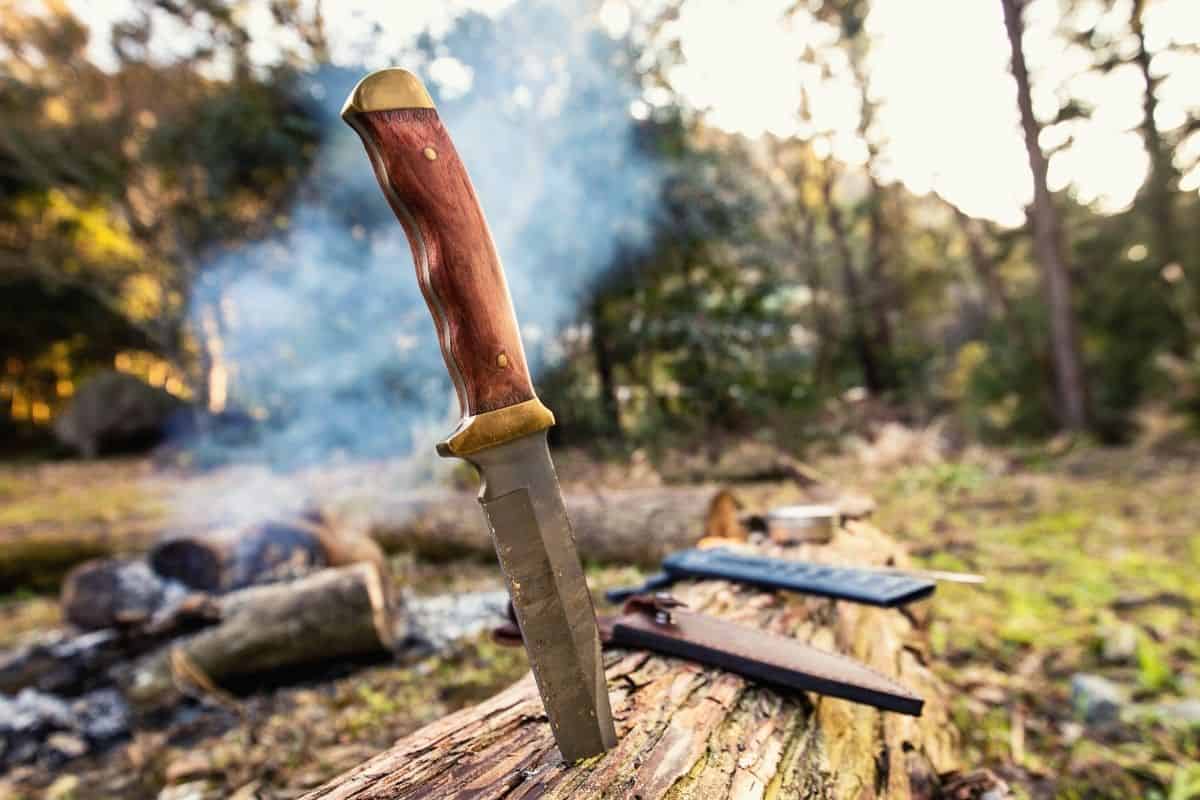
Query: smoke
[[324, 339]]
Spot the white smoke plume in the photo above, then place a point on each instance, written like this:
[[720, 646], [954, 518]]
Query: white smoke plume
[[327, 341]]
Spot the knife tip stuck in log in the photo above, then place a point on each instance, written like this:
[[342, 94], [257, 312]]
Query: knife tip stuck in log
[[502, 431]]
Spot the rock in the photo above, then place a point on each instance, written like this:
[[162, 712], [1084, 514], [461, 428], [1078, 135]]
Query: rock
[[32, 713], [35, 726], [115, 412], [1120, 643], [103, 715], [1096, 699]]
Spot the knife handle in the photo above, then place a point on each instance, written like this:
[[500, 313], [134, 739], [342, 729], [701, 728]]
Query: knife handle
[[458, 270]]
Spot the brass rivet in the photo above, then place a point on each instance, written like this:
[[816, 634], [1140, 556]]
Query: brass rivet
[[430, 153], [502, 360]]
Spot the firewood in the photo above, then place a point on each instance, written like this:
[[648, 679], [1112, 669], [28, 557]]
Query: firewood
[[693, 732], [331, 614], [637, 526], [229, 558]]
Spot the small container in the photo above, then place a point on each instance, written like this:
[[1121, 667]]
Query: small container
[[807, 524]]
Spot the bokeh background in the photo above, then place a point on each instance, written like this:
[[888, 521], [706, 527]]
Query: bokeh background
[[712, 216]]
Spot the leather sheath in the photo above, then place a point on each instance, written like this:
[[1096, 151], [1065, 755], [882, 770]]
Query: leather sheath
[[659, 624]]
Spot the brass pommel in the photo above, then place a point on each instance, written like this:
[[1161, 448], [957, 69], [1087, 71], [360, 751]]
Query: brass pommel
[[385, 90]]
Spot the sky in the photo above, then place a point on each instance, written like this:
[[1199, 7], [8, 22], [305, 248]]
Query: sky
[[947, 119]]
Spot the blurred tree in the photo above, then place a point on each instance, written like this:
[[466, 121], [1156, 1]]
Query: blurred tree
[[118, 183], [1048, 244]]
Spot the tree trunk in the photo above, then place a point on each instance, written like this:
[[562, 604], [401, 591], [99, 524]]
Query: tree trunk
[[688, 731], [604, 370], [637, 526], [821, 320], [867, 357], [997, 300], [1047, 242], [332, 614], [803, 240], [880, 299], [1160, 186]]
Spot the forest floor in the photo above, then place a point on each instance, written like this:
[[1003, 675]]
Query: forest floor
[[1090, 556]]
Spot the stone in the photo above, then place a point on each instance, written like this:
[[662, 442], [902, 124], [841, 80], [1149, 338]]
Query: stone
[[1096, 699], [115, 412], [103, 715], [32, 713]]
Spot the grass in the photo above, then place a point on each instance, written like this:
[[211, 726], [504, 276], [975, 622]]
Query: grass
[[55, 516], [1091, 559], [1081, 553]]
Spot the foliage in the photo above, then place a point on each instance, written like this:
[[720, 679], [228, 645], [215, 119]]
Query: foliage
[[774, 282]]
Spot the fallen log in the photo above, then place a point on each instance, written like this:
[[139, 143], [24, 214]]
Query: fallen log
[[229, 558], [37, 556], [692, 732], [126, 595], [637, 526], [330, 614]]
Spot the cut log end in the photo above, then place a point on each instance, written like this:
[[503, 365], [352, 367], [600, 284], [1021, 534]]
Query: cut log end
[[189, 561]]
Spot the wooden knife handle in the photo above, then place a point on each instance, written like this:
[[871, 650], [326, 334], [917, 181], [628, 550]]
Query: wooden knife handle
[[458, 269]]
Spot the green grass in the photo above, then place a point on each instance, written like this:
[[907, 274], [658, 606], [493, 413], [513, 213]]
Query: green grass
[[1068, 549]]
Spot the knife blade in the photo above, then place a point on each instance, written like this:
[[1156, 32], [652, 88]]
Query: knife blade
[[503, 427]]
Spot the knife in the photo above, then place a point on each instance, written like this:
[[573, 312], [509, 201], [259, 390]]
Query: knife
[[503, 427]]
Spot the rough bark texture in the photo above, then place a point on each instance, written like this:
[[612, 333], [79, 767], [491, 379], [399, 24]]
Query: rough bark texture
[[1160, 183], [334, 613], [1047, 241], [632, 525], [864, 347], [691, 732]]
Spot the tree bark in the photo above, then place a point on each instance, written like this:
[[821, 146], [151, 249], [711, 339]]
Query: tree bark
[[637, 526], [688, 731], [802, 237], [868, 358], [1160, 186], [604, 370], [1047, 242], [331, 614]]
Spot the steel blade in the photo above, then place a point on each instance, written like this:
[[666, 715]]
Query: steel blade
[[523, 504]]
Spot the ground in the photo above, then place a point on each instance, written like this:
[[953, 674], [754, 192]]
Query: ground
[[1090, 556]]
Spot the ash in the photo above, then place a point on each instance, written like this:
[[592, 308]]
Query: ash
[[437, 624]]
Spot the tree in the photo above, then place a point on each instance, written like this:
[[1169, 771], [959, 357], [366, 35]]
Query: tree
[[1047, 241]]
